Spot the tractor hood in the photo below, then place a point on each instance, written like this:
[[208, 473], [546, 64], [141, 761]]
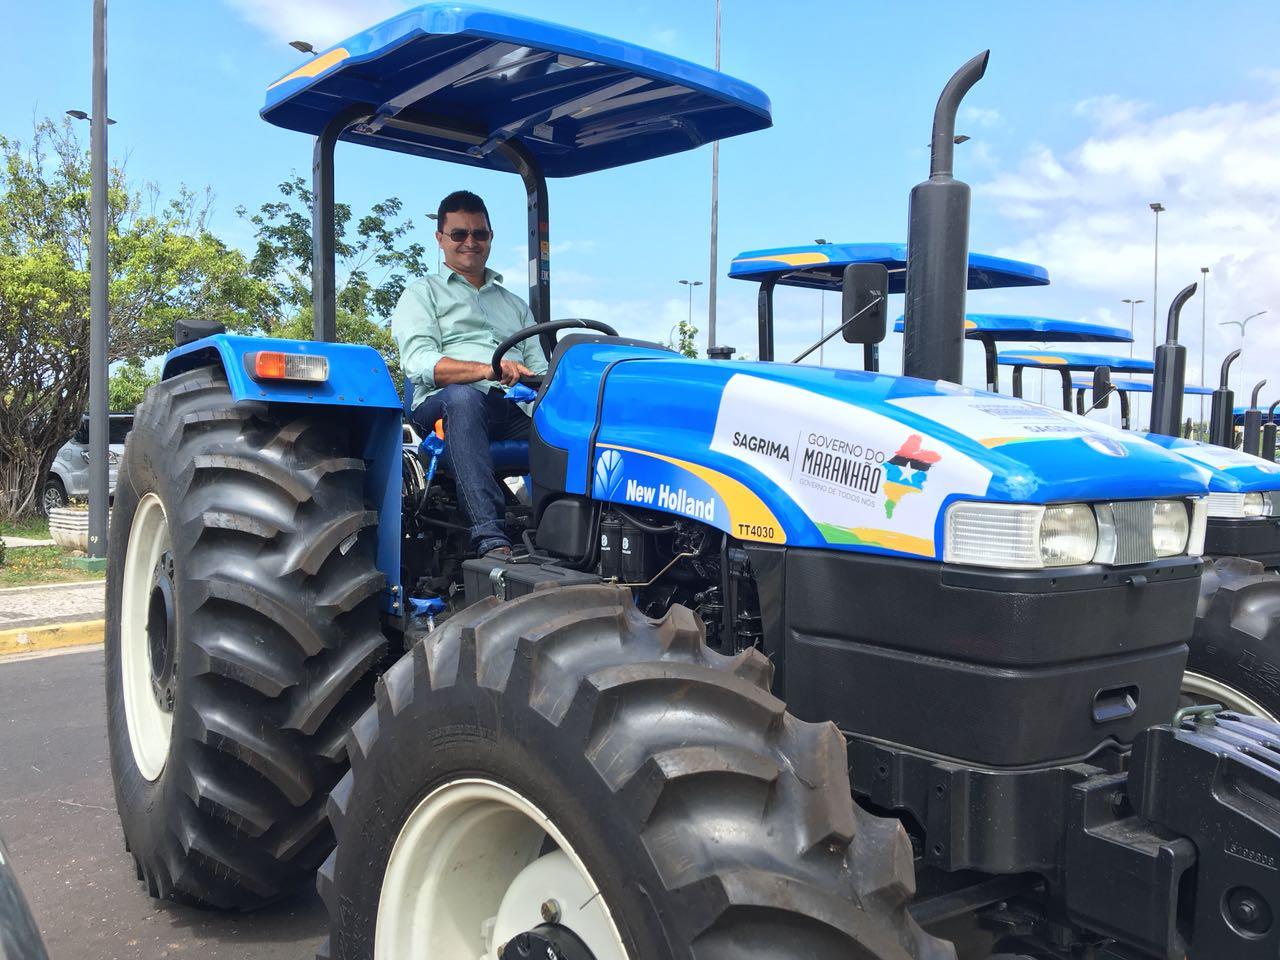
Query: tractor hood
[[813, 456], [1231, 471]]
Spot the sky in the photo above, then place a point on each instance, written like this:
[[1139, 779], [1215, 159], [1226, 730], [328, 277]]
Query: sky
[[1089, 111]]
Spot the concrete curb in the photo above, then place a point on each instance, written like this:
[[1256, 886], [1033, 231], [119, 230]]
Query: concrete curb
[[50, 636]]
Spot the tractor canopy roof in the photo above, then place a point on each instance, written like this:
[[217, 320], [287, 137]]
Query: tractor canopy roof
[[1024, 329], [1140, 386], [1064, 360], [821, 266], [453, 81]]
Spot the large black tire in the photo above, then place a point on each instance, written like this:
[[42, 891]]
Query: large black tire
[[1236, 643], [716, 824], [275, 634]]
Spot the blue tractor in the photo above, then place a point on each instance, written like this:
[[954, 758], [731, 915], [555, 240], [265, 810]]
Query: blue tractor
[[786, 646]]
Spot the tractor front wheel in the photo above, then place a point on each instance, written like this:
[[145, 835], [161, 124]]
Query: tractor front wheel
[[242, 627], [560, 776]]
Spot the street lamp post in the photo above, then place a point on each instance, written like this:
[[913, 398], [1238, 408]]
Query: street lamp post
[[98, 319], [1242, 324], [1157, 209], [1132, 304], [715, 214], [690, 284], [1204, 313]]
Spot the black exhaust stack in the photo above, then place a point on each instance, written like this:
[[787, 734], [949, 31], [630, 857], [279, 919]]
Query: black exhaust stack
[[1269, 434], [1171, 373], [1222, 412], [938, 247], [1253, 423]]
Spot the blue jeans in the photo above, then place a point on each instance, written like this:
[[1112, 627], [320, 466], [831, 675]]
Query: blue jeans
[[472, 420]]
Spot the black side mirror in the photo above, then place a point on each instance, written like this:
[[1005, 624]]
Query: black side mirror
[[1102, 388], [866, 301]]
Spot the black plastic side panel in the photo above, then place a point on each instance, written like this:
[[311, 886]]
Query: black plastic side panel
[[1253, 539], [548, 466], [1002, 678], [565, 528]]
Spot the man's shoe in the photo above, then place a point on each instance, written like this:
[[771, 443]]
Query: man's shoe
[[497, 553]]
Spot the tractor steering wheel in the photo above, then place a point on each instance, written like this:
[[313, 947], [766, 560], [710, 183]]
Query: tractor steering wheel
[[537, 330]]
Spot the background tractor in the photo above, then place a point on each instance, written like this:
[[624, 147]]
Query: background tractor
[[786, 645]]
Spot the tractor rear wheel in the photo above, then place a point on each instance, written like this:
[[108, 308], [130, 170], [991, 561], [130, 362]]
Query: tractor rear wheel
[[242, 627], [560, 776], [1235, 650]]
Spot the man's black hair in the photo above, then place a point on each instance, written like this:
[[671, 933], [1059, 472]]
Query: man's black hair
[[461, 201]]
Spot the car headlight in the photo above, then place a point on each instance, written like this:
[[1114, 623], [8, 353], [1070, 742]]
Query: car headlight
[[1019, 536]]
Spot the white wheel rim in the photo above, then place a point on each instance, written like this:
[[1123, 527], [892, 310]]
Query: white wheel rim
[[467, 873], [150, 725], [1207, 690]]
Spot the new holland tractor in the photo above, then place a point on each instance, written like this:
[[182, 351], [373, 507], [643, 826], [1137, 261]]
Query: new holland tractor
[[1235, 650], [795, 662]]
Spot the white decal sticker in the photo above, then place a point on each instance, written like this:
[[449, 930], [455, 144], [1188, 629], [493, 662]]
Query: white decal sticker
[[1221, 458], [994, 420], [861, 477]]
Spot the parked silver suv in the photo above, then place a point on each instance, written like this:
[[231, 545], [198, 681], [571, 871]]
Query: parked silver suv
[[69, 475]]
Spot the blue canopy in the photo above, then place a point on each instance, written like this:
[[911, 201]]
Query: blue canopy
[[1140, 386], [821, 266], [1061, 360], [452, 82], [1024, 329]]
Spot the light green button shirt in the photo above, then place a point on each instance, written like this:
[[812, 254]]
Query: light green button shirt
[[444, 315]]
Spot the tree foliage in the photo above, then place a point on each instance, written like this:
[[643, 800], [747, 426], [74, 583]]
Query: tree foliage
[[128, 385], [375, 258], [163, 264]]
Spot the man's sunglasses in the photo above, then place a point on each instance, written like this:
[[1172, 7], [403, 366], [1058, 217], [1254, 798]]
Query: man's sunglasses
[[480, 236]]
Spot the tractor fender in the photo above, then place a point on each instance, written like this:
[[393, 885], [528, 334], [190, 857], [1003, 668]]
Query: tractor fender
[[359, 385]]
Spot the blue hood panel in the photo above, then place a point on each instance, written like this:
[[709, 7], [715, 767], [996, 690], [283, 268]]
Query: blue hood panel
[[827, 458], [1232, 471]]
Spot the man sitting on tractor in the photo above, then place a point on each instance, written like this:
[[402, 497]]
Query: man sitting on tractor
[[447, 327]]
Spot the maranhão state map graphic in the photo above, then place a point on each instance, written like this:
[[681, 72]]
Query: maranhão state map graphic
[[906, 472]]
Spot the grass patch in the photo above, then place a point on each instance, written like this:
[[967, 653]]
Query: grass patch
[[33, 527], [25, 566]]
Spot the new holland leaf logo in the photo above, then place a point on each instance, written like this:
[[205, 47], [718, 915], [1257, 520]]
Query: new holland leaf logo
[[608, 474]]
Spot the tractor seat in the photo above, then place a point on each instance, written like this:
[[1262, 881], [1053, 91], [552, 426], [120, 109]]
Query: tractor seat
[[510, 457]]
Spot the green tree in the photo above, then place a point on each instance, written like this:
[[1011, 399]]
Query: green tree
[[374, 260], [128, 385], [164, 263]]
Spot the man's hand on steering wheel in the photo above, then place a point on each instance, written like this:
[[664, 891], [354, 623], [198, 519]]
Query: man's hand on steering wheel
[[512, 371]]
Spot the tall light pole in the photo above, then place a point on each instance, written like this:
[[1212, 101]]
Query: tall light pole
[[715, 214], [690, 284], [1242, 324], [98, 318], [1157, 209], [1132, 304], [1204, 312]]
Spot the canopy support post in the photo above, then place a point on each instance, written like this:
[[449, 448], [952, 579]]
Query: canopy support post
[[764, 313], [1066, 389], [1017, 382], [324, 311], [993, 367], [1124, 409], [536, 202]]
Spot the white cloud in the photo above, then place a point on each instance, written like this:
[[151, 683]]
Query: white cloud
[[1110, 111], [1083, 212], [979, 116], [319, 22]]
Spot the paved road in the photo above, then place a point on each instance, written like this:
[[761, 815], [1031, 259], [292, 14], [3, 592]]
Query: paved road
[[57, 815]]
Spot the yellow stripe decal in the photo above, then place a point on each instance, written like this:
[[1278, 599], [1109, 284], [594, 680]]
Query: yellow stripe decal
[[1045, 358], [749, 518], [790, 259], [315, 66]]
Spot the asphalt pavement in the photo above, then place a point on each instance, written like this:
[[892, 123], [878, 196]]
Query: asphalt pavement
[[57, 815]]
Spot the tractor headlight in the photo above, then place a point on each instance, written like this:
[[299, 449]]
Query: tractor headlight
[[1016, 536], [1199, 521], [1170, 528], [1241, 506], [1019, 536]]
